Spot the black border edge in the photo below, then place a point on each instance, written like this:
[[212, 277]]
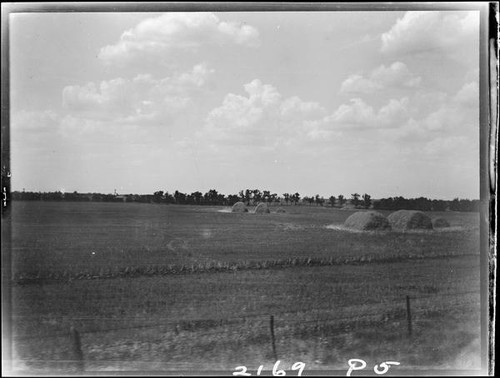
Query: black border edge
[[6, 190], [488, 144]]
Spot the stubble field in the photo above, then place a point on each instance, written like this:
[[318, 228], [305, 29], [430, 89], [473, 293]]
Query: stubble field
[[183, 288]]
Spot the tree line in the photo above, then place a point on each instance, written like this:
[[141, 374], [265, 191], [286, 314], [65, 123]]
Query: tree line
[[255, 196], [426, 204]]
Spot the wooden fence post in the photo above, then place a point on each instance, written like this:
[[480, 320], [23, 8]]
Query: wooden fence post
[[408, 314], [273, 341], [77, 349]]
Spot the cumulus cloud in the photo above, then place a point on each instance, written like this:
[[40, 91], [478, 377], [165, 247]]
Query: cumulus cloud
[[262, 116], [397, 75], [266, 118], [455, 118], [459, 113], [468, 95], [359, 115], [358, 84], [141, 98], [426, 31], [177, 31]]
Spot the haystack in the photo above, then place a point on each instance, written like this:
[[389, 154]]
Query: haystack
[[280, 210], [239, 207], [367, 220], [409, 220], [440, 223], [262, 208]]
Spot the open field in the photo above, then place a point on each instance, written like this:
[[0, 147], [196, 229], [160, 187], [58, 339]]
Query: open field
[[155, 287]]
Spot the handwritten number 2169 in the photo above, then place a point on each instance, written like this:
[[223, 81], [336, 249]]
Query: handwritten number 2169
[[276, 372]]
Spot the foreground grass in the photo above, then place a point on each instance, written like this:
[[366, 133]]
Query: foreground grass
[[193, 288], [323, 315]]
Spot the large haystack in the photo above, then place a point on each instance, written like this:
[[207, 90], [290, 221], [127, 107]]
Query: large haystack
[[440, 223], [410, 220], [367, 221], [262, 208], [239, 207]]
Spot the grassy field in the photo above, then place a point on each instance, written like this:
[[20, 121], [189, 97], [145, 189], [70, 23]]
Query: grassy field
[[155, 287]]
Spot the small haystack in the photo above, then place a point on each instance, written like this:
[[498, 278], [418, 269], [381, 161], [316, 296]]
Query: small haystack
[[410, 220], [367, 221], [262, 208], [280, 210], [239, 207], [440, 223]]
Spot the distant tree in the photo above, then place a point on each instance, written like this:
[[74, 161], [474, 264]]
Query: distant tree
[[455, 204], [332, 201], [341, 199], [295, 198], [179, 197], [274, 198], [319, 200], [367, 201], [221, 199], [286, 196], [232, 199], [211, 197], [158, 196], [422, 204], [197, 197], [355, 199], [257, 196], [169, 198], [248, 196], [266, 196], [72, 196], [439, 205]]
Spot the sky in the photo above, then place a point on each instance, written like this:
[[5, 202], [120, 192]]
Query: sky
[[328, 103]]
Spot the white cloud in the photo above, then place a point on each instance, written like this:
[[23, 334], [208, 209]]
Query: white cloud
[[263, 116], [455, 118], [410, 132], [393, 113], [176, 31], [142, 98], [358, 84], [459, 112], [426, 31], [468, 95], [359, 115], [397, 75], [294, 107]]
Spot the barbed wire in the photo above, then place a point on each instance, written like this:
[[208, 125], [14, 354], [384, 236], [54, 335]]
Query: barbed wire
[[198, 324]]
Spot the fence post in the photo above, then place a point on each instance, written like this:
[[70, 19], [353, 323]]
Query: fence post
[[77, 349], [273, 341], [408, 314]]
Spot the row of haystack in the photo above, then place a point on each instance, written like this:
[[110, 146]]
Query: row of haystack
[[399, 220], [262, 208]]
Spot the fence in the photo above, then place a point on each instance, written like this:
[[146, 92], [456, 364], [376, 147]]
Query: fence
[[409, 312]]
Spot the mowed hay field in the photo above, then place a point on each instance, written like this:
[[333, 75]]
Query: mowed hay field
[[165, 287]]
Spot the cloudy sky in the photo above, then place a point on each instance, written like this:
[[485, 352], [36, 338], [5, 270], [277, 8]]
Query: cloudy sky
[[329, 103]]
